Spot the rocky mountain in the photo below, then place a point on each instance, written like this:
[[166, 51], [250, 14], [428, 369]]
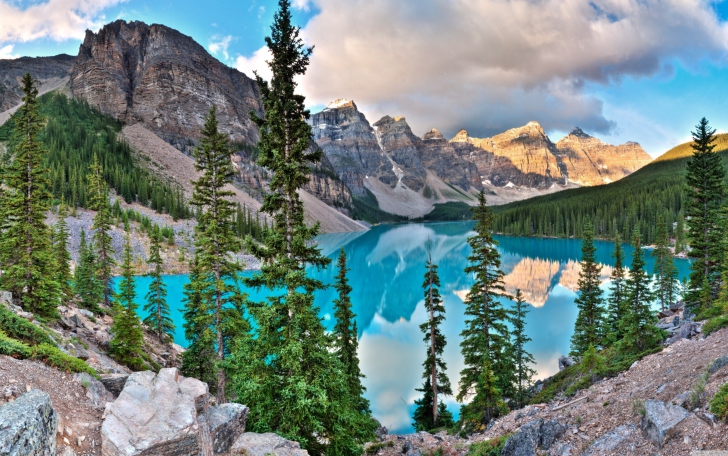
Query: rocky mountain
[[49, 71], [157, 76]]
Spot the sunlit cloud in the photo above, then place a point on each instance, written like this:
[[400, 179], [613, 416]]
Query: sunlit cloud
[[220, 45], [6, 52]]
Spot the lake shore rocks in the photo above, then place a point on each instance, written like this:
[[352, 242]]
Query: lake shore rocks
[[28, 426]]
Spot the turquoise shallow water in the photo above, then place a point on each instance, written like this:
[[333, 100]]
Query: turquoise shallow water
[[387, 267]]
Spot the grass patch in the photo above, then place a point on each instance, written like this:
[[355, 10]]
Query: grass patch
[[21, 329], [698, 390], [44, 352], [376, 447], [492, 447], [719, 403], [715, 324], [638, 408]]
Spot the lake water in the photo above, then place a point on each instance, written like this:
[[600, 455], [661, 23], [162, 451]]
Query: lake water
[[387, 268]]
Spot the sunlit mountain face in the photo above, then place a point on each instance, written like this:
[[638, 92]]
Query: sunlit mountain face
[[387, 269]]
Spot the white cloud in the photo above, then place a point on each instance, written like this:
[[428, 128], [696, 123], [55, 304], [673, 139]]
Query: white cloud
[[6, 52], [488, 65], [55, 19], [256, 62], [301, 4], [221, 45]]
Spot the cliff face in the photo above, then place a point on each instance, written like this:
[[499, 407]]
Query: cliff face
[[591, 162], [47, 70], [157, 76]]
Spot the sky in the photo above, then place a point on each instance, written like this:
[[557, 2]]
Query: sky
[[622, 70]]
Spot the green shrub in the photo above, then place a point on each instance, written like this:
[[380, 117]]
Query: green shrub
[[21, 329], [53, 357], [491, 447], [11, 347], [719, 403], [715, 324]]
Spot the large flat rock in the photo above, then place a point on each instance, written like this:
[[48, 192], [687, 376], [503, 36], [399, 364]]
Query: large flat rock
[[28, 426]]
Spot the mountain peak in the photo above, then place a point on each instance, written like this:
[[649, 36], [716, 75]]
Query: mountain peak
[[341, 103], [461, 136], [579, 133], [432, 134]]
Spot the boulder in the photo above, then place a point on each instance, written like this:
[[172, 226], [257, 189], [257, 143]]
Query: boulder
[[718, 363], [608, 443], [6, 297], [114, 383], [660, 419], [95, 390], [252, 444], [532, 436], [76, 321], [381, 431], [28, 426], [565, 361], [87, 313], [225, 424], [154, 414]]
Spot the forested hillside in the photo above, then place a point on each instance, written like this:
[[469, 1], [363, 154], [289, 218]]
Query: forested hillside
[[74, 133], [637, 200]]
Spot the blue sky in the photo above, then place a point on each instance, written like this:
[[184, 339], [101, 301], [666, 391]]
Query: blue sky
[[623, 70]]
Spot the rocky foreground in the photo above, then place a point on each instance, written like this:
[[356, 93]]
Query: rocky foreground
[[658, 407]]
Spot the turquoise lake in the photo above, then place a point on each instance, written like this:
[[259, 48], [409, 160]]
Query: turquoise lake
[[387, 268]]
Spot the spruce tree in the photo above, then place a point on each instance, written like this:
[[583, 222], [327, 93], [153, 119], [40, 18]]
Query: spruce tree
[[705, 195], [523, 359], [485, 336], [26, 252], [664, 266], [127, 338], [290, 375], [85, 283], [617, 295], [215, 232], [198, 360], [637, 323], [680, 234], [345, 335], [589, 321], [426, 415], [98, 192], [158, 318], [63, 257]]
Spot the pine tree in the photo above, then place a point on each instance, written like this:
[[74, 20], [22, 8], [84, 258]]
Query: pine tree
[[198, 360], [63, 257], [588, 326], [158, 318], [215, 231], [25, 240], [705, 195], [85, 283], [680, 234], [127, 339], [290, 375], [664, 266], [617, 298], [637, 323], [485, 335], [345, 335], [523, 360], [99, 202], [426, 413]]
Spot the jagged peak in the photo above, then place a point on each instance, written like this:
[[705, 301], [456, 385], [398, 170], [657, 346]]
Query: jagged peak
[[398, 118], [341, 103], [533, 123], [461, 136], [432, 134], [579, 133]]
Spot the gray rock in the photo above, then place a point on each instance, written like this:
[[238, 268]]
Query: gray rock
[[265, 445], [381, 431], [114, 383], [532, 436], [88, 313], [154, 414], [6, 297], [718, 363], [681, 399], [660, 419], [95, 390], [67, 322], [607, 443], [676, 321], [28, 426], [565, 361], [225, 423], [662, 388], [563, 449], [76, 321]]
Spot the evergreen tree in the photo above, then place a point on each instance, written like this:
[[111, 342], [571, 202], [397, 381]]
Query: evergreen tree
[[485, 335], [637, 323], [290, 374], [85, 283], [345, 335], [705, 195], [99, 202], [63, 258], [522, 359], [589, 321], [680, 234], [426, 413], [158, 318], [617, 297], [127, 339], [664, 267], [215, 232], [25, 240], [198, 360]]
